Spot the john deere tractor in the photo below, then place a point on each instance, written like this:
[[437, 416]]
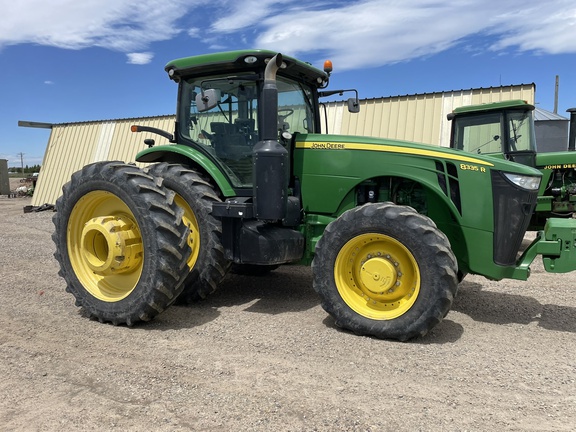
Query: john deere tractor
[[506, 130], [249, 181]]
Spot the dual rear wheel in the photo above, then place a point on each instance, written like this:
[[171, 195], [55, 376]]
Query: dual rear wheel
[[120, 242], [207, 264], [130, 242]]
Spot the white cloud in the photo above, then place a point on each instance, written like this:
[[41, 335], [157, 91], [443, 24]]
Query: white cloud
[[48, 82], [544, 27], [370, 33], [123, 25], [376, 32], [140, 58], [246, 13], [194, 32], [353, 34]]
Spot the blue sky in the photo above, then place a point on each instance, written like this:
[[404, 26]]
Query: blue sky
[[68, 60]]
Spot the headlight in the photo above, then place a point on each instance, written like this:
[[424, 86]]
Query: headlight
[[524, 181]]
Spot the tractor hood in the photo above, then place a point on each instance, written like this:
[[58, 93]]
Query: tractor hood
[[556, 160], [346, 142]]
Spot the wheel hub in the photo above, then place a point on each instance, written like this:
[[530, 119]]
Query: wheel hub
[[111, 245], [378, 275]]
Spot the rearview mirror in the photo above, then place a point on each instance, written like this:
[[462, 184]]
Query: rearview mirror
[[353, 105], [208, 99]]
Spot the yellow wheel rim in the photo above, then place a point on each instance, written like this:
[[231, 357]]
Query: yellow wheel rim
[[105, 246], [377, 276], [189, 219]]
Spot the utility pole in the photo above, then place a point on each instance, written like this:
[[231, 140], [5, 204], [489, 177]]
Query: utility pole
[[556, 94], [22, 161]]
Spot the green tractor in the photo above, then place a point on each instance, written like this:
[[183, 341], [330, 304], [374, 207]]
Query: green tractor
[[250, 183], [506, 130]]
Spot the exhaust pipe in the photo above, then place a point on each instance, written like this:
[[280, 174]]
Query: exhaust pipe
[[572, 131], [269, 100], [269, 157]]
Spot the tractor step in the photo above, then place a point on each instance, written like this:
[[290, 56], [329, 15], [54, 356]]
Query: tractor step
[[256, 242]]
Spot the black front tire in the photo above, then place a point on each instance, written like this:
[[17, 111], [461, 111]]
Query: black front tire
[[385, 270]]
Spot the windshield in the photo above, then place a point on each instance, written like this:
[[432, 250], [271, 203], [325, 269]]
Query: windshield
[[520, 133], [483, 133], [479, 133], [230, 129]]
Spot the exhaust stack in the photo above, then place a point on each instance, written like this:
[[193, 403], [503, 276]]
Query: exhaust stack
[[269, 158], [572, 131]]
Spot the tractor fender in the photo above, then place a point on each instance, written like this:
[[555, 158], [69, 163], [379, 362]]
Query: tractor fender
[[440, 208], [185, 155], [430, 185]]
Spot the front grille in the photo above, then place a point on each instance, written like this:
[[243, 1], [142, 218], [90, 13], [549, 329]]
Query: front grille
[[513, 207]]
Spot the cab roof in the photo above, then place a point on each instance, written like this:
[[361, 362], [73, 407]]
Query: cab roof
[[509, 104], [243, 61]]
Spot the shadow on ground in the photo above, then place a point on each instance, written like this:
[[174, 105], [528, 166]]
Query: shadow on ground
[[289, 289], [501, 308]]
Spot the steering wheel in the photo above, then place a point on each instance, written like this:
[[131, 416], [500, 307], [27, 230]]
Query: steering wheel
[[288, 112], [283, 125], [207, 135]]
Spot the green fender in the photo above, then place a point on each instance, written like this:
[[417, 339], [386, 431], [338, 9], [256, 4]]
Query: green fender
[[177, 152]]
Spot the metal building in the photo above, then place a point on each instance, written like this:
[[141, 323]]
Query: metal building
[[420, 118], [73, 145], [551, 131]]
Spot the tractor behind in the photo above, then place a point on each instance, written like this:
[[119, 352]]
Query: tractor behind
[[506, 130]]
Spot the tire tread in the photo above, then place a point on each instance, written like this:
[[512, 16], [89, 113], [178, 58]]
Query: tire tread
[[154, 205]]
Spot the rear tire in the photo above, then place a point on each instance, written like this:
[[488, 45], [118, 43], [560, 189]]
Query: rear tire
[[207, 265], [386, 271], [120, 243]]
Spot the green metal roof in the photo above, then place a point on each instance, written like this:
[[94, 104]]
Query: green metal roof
[[229, 61], [515, 103]]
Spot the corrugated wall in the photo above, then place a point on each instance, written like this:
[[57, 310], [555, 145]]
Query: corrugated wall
[[420, 118], [71, 146]]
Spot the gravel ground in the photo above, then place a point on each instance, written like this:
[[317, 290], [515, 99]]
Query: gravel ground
[[261, 355]]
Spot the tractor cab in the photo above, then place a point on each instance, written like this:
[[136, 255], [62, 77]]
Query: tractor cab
[[504, 129], [218, 115], [225, 107]]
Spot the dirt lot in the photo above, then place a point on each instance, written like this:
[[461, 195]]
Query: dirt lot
[[261, 355]]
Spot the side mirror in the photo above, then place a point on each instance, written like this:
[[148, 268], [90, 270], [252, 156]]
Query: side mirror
[[353, 105], [208, 99]]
